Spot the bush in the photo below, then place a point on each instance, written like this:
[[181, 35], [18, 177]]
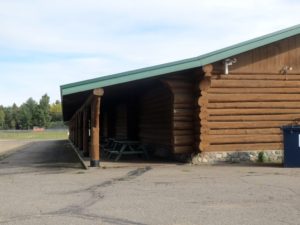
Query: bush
[[262, 157]]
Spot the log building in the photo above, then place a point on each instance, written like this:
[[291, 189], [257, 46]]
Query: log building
[[230, 102]]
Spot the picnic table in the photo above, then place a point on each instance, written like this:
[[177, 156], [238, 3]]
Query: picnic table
[[125, 147]]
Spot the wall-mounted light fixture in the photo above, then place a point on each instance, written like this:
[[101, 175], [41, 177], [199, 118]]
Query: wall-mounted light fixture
[[228, 62], [285, 69]]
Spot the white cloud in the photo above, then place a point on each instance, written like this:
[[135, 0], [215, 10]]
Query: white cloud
[[35, 79], [89, 38]]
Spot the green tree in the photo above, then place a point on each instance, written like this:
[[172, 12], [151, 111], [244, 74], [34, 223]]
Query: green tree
[[15, 116], [28, 115], [43, 111], [9, 123], [2, 117], [25, 117], [56, 111]]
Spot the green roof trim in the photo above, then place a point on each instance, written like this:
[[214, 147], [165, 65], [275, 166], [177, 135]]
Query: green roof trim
[[128, 76], [179, 65]]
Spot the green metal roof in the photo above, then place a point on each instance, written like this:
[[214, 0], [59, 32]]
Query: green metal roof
[[178, 65]]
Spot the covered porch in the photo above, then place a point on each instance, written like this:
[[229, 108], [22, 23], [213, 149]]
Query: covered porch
[[160, 113]]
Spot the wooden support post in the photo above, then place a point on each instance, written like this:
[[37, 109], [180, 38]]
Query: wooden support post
[[73, 131], [76, 131], [80, 131], [95, 128], [85, 133], [72, 137], [70, 131]]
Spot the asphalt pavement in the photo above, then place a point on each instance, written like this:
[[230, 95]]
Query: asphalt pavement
[[44, 183]]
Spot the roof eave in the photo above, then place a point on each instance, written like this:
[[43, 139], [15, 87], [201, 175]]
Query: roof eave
[[179, 65], [129, 76]]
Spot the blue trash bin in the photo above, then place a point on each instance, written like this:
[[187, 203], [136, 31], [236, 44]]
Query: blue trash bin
[[291, 139]]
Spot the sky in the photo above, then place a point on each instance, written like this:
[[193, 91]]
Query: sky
[[44, 44]]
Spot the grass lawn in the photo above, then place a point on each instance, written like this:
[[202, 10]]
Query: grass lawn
[[31, 135]]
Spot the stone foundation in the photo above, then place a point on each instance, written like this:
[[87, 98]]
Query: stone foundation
[[238, 157]]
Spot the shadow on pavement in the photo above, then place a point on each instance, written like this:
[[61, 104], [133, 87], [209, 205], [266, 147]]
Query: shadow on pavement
[[42, 154]]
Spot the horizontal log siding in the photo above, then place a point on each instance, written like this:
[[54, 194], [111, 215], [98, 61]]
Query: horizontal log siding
[[245, 112], [184, 128], [155, 126], [268, 60]]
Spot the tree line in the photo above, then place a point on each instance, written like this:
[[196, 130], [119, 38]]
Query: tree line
[[32, 114]]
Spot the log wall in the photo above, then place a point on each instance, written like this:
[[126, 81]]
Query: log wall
[[155, 117], [245, 112], [245, 109], [162, 115], [269, 59], [184, 124]]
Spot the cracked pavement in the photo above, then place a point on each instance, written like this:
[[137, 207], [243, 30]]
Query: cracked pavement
[[43, 183]]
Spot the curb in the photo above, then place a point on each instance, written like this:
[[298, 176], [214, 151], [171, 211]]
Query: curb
[[78, 155]]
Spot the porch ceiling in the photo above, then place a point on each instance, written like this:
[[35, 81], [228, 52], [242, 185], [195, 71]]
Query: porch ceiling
[[71, 103]]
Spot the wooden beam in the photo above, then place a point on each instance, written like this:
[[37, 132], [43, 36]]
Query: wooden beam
[[204, 85], [254, 84], [254, 90], [251, 97], [263, 117], [70, 132], [241, 131], [242, 139], [85, 133], [80, 131], [98, 92], [242, 105], [243, 147], [246, 125], [259, 77], [73, 121], [76, 131], [249, 111], [207, 69]]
